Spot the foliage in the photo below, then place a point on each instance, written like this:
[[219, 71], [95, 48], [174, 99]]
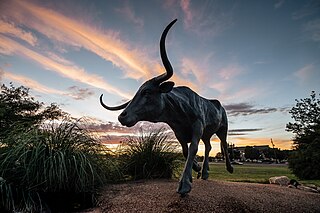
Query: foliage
[[57, 158], [45, 163], [219, 155], [304, 162], [19, 111], [150, 155], [306, 114]]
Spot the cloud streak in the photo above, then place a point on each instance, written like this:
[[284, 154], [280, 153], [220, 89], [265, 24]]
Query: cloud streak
[[68, 70], [106, 44], [73, 92], [128, 13], [80, 93], [305, 72], [310, 8], [312, 29], [243, 109], [31, 83], [10, 29], [135, 62], [205, 19]]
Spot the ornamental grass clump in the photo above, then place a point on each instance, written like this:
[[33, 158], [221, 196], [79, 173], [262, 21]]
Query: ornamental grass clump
[[149, 155], [47, 167]]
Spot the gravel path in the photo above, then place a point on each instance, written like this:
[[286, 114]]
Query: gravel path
[[206, 196]]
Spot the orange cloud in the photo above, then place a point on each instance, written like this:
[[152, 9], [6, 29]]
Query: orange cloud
[[31, 83], [244, 141], [68, 70], [11, 30], [106, 44], [230, 71], [190, 67], [134, 61]]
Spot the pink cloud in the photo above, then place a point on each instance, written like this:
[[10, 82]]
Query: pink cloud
[[305, 72], [189, 66], [133, 60], [105, 43], [11, 29], [129, 14], [66, 69], [198, 20], [30, 83], [188, 13], [230, 71]]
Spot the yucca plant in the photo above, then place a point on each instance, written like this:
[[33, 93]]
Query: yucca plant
[[149, 155], [57, 159]]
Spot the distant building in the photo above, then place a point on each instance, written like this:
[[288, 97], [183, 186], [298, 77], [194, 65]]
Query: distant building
[[260, 148]]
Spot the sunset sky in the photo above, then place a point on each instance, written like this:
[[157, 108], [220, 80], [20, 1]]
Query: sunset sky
[[255, 56]]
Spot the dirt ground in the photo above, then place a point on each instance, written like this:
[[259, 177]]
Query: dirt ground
[[206, 196]]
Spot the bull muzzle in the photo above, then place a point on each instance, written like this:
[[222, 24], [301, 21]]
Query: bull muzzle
[[126, 120]]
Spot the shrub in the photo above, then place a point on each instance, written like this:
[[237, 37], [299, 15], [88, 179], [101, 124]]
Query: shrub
[[304, 162], [42, 164], [149, 155]]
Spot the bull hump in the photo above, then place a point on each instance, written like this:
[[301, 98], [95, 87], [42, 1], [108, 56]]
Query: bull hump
[[216, 103]]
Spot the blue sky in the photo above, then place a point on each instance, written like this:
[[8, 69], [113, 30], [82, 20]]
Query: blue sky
[[256, 57]]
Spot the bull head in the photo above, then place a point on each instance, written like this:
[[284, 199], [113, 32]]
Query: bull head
[[147, 103]]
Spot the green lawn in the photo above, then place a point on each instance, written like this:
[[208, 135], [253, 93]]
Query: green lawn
[[254, 173]]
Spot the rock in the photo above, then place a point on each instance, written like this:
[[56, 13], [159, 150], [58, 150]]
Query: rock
[[308, 189], [280, 180], [311, 186]]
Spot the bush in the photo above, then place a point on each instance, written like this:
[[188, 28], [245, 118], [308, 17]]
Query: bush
[[304, 162], [19, 111], [150, 155], [40, 165]]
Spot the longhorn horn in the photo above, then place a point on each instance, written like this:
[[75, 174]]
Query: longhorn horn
[[122, 106], [166, 63]]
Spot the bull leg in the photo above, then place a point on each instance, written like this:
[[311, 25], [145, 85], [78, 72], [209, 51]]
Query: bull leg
[[205, 165], [186, 179], [222, 134], [196, 166]]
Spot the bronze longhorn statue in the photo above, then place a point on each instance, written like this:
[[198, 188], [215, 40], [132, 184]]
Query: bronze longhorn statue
[[190, 116]]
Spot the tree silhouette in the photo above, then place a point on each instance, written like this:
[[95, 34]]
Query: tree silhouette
[[305, 160], [20, 111]]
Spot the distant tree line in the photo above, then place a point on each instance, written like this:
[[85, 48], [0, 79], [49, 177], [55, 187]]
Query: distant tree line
[[255, 153], [269, 155]]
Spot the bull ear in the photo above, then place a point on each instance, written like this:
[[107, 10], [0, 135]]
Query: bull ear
[[166, 86]]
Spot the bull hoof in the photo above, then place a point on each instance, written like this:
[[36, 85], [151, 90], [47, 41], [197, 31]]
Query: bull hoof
[[205, 177], [198, 175], [183, 195], [184, 188]]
